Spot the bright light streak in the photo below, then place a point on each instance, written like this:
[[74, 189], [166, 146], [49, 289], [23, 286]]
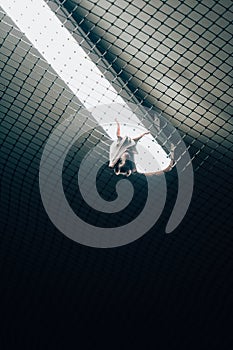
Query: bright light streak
[[79, 72]]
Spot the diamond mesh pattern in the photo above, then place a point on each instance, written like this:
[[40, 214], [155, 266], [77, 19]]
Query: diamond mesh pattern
[[173, 55]]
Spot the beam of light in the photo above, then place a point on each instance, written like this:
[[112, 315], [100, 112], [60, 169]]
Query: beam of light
[[59, 48]]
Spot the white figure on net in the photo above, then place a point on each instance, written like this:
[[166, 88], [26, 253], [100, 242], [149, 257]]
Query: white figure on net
[[122, 151]]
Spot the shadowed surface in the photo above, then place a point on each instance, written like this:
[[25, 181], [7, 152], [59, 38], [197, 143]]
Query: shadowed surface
[[174, 55]]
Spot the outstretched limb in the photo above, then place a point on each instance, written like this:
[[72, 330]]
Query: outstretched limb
[[118, 128], [139, 137], [169, 167]]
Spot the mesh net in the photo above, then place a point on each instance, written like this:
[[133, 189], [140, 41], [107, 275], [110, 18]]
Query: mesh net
[[174, 56]]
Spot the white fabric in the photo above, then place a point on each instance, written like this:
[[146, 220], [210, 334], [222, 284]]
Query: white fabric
[[120, 146]]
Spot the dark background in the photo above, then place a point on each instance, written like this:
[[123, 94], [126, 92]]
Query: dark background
[[174, 290]]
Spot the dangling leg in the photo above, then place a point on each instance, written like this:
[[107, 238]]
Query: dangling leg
[[115, 144], [139, 137], [118, 129]]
